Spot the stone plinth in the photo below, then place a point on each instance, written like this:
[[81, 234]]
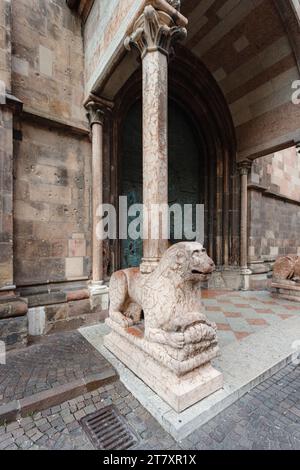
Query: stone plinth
[[286, 277], [288, 290], [159, 329], [180, 392]]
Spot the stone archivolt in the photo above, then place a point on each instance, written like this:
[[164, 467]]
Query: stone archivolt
[[155, 30]]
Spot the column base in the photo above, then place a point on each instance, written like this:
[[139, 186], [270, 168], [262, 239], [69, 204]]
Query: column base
[[245, 274], [99, 295]]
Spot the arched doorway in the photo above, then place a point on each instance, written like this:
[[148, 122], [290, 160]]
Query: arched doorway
[[202, 120], [185, 163]]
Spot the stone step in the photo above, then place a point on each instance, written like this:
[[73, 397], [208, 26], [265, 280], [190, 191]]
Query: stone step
[[17, 409]]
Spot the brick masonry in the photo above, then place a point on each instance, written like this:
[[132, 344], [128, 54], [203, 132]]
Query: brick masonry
[[52, 204], [275, 217]]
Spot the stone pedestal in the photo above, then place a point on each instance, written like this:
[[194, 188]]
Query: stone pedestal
[[172, 345], [180, 392], [99, 295], [286, 277], [288, 290]]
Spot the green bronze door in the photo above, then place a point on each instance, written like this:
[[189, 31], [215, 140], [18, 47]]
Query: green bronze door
[[184, 169]]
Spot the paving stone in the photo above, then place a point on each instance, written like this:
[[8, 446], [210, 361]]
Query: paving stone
[[266, 418], [27, 372]]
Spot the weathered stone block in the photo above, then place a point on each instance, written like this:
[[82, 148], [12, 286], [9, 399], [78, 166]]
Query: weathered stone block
[[47, 298], [74, 268], [36, 321], [77, 295], [77, 248], [79, 307], [13, 308], [13, 331], [57, 312]]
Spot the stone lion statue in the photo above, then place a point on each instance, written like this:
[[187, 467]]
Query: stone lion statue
[[169, 299], [287, 268]]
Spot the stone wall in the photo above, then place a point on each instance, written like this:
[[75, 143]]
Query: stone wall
[[47, 60], [104, 34], [275, 206], [45, 173], [5, 43], [51, 206], [52, 151]]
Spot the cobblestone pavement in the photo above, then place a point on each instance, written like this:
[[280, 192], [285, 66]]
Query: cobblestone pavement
[[266, 418], [58, 360], [240, 314], [65, 357]]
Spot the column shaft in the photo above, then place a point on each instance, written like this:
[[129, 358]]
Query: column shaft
[[97, 198], [155, 149], [154, 32], [244, 170]]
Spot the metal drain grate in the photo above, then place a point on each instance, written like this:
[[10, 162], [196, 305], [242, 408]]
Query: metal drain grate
[[108, 430]]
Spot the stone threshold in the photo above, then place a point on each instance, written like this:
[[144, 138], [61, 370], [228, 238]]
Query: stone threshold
[[244, 365], [17, 409]]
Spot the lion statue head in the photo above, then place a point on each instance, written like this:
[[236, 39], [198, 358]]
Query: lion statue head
[[187, 260], [287, 268]]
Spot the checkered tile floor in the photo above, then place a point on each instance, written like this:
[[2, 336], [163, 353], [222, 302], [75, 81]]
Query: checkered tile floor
[[240, 314]]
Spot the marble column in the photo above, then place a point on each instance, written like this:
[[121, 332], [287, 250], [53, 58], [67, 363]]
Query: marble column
[[153, 35], [244, 168]]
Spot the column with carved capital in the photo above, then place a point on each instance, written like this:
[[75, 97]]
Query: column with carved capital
[[154, 33], [95, 116], [244, 168]]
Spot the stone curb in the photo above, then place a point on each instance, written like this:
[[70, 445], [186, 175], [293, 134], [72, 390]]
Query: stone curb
[[244, 365], [17, 409]]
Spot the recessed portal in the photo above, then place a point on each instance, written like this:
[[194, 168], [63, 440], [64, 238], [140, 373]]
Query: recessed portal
[[184, 169]]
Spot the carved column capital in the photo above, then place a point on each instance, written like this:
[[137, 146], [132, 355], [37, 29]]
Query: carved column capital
[[244, 167], [95, 113], [157, 30]]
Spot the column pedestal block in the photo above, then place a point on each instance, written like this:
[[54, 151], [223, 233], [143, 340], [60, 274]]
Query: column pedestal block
[[180, 392]]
